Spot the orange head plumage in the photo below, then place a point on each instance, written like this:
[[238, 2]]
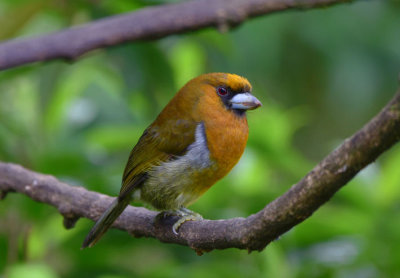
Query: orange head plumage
[[195, 141]]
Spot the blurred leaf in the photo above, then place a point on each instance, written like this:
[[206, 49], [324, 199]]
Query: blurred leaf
[[121, 6], [18, 18], [30, 271], [275, 264], [73, 84], [114, 138], [187, 59], [388, 189]]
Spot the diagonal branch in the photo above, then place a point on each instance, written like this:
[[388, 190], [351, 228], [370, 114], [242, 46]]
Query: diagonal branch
[[145, 24], [251, 233]]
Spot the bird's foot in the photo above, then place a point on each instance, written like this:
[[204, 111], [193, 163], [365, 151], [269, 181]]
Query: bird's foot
[[184, 215]]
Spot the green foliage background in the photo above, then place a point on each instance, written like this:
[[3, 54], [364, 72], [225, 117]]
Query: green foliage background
[[320, 74]]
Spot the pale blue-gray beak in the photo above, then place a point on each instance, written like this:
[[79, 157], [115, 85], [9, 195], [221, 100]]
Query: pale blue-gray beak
[[245, 101]]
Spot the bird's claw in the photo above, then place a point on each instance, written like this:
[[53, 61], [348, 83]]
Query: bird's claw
[[184, 215], [183, 219]]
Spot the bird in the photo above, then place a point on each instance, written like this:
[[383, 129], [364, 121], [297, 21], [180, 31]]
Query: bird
[[195, 141]]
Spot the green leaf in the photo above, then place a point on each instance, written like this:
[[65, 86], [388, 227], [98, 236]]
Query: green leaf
[[30, 271]]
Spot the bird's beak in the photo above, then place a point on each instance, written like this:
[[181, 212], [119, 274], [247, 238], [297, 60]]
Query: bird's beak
[[245, 101]]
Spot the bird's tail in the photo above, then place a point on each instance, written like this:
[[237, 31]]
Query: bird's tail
[[105, 221]]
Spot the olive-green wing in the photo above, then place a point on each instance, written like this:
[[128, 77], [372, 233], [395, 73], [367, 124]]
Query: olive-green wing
[[155, 146]]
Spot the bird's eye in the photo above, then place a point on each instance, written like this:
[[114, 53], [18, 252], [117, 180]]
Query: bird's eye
[[222, 91]]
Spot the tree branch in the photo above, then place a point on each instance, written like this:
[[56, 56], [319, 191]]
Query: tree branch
[[145, 24], [251, 233]]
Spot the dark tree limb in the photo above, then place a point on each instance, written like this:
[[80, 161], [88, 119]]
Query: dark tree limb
[[145, 24], [251, 233]]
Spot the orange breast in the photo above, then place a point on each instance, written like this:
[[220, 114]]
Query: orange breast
[[226, 133], [226, 141]]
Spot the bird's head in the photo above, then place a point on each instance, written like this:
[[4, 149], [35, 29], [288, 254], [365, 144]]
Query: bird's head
[[210, 95], [228, 91], [233, 90]]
